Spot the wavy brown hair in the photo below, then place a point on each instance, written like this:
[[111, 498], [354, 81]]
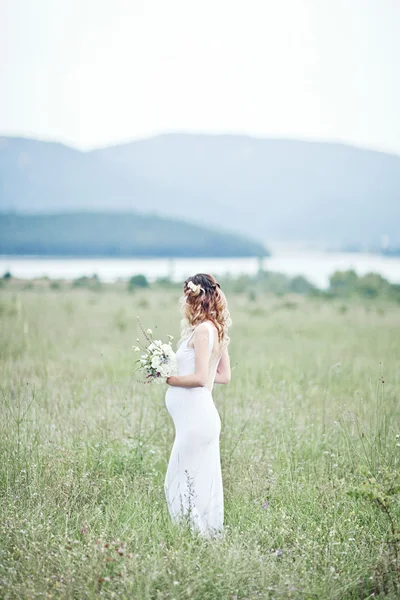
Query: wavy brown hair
[[203, 300]]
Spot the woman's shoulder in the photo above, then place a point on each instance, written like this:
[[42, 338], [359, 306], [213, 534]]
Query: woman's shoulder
[[208, 328], [205, 328]]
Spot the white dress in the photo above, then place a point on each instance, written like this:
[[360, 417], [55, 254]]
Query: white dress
[[193, 482]]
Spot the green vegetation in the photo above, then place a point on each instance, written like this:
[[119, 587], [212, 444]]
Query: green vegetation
[[117, 235], [269, 281], [137, 282], [343, 284], [310, 450], [92, 283], [372, 285]]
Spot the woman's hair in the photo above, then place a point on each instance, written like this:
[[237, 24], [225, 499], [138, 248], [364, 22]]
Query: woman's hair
[[203, 300]]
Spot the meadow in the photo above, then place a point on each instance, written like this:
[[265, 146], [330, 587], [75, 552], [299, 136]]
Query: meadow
[[310, 451]]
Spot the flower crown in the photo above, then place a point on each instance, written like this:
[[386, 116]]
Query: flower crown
[[195, 288]]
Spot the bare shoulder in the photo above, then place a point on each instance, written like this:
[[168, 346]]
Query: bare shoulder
[[205, 327], [203, 331]]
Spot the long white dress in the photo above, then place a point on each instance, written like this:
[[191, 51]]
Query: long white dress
[[193, 482]]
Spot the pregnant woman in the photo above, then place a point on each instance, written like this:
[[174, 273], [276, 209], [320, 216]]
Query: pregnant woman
[[193, 482]]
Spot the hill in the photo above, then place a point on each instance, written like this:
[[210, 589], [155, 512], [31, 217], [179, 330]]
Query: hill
[[117, 234], [270, 189]]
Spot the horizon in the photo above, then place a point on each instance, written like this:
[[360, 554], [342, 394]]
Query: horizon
[[125, 142]]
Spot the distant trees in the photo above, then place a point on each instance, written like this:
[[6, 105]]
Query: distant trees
[[137, 282], [91, 283], [345, 284], [270, 282], [342, 284]]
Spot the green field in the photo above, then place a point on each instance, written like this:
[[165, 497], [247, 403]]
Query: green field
[[310, 450]]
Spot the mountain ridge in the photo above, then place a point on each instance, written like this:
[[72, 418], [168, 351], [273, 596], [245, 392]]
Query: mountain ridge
[[244, 136], [274, 189], [95, 234]]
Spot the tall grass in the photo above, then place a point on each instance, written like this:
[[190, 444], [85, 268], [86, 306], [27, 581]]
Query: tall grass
[[310, 452]]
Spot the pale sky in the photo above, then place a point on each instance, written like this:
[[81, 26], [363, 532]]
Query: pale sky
[[97, 72]]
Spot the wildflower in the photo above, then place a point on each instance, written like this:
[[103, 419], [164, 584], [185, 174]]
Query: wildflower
[[149, 332], [265, 505]]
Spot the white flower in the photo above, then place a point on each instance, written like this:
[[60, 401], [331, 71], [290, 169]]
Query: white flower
[[155, 362], [149, 332], [158, 361], [136, 349], [192, 286], [168, 368]]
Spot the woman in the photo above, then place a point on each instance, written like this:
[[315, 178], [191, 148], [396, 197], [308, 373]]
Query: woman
[[193, 482]]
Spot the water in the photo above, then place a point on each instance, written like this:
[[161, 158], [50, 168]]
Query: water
[[316, 266]]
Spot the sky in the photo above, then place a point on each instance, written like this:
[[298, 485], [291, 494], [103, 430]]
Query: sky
[[92, 73]]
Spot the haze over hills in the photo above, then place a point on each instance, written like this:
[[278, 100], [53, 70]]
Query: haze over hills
[[268, 189]]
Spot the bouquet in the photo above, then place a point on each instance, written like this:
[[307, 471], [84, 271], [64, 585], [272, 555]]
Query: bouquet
[[158, 360]]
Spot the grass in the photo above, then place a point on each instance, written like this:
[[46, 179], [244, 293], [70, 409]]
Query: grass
[[310, 451]]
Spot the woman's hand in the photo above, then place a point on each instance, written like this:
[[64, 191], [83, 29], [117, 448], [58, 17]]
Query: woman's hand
[[172, 380]]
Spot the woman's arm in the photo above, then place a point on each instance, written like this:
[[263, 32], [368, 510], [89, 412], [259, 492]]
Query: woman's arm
[[223, 374], [200, 376]]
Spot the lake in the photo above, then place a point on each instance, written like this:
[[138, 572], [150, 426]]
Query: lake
[[316, 266]]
